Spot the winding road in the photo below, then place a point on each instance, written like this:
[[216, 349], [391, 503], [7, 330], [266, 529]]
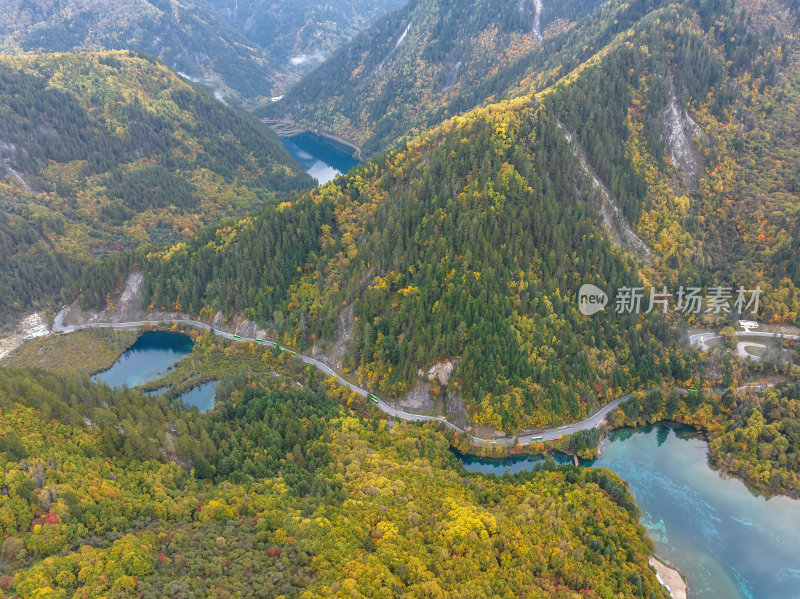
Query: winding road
[[701, 340], [523, 439]]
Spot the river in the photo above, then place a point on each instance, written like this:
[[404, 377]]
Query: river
[[321, 157], [725, 540]]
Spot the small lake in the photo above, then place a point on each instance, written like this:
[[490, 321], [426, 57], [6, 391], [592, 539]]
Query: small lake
[[147, 359], [321, 157], [201, 397], [725, 540]]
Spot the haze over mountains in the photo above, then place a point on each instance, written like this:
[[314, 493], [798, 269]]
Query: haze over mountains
[[246, 51], [435, 58]]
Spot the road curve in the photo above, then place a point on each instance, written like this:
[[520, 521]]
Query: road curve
[[524, 439], [700, 339]]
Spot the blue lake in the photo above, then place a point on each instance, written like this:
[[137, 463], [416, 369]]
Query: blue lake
[[147, 359], [202, 396], [321, 157], [725, 540]]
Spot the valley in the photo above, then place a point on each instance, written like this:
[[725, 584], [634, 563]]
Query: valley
[[414, 298]]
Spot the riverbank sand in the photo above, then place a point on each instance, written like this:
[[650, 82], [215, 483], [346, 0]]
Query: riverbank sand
[[670, 578]]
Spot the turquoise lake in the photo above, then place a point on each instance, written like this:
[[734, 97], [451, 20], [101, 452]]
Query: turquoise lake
[[321, 157], [147, 359], [726, 541], [201, 397]]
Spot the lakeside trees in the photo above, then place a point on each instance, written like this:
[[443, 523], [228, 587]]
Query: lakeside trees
[[81, 515]]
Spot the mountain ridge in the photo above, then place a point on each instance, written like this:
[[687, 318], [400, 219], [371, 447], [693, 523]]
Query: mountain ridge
[[106, 151]]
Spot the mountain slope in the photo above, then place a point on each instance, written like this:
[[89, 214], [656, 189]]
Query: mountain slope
[[468, 245], [690, 118], [246, 51], [101, 152], [297, 35], [184, 35], [454, 57], [377, 84]]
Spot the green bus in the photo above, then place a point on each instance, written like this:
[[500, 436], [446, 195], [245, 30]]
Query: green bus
[[373, 398], [259, 340], [536, 438], [64, 307], [237, 336]]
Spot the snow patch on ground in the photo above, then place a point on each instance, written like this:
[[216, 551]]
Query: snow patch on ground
[[30, 327]]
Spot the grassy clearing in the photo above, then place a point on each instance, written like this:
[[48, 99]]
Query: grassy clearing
[[90, 351]]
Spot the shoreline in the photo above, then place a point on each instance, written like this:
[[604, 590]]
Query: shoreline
[[670, 578], [288, 129]]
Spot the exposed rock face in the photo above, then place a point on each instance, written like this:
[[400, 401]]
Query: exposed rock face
[[417, 401], [29, 327], [439, 373], [620, 231], [456, 412], [537, 18], [680, 134], [334, 354]]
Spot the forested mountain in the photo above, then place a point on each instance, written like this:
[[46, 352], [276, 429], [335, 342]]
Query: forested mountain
[[279, 492], [454, 56], [467, 244], [186, 36], [105, 151], [687, 112], [246, 51], [298, 35], [691, 119], [378, 84]]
